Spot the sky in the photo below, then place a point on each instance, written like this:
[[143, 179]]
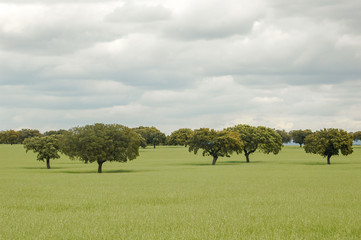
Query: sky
[[180, 64]]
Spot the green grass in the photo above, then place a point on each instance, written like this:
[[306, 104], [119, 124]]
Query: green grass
[[168, 193]]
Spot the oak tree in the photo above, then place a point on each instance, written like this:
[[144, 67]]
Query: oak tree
[[215, 143], [298, 136], [11, 137], [28, 133], [286, 137], [179, 137], [100, 143], [259, 138], [152, 135], [47, 147], [329, 142]]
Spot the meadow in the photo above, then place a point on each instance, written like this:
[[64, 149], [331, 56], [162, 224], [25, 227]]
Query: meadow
[[169, 193]]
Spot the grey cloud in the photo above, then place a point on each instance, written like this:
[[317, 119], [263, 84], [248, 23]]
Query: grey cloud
[[345, 12], [59, 37], [54, 1], [216, 103], [319, 9], [214, 21], [139, 14], [191, 31], [206, 64], [234, 103], [81, 94], [54, 29]]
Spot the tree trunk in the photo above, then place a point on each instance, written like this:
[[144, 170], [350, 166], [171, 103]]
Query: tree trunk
[[154, 145], [48, 163], [247, 157], [214, 160], [100, 164], [300, 144], [328, 159]]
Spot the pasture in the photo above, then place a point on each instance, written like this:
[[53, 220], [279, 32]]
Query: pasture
[[169, 193]]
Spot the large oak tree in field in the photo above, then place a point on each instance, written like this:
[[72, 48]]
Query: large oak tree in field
[[215, 143], [100, 143], [329, 142], [259, 138], [46, 147]]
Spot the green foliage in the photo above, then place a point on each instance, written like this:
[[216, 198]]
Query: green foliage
[[14, 137], [46, 147], [54, 132], [215, 143], [28, 133], [100, 143], [286, 137], [329, 142], [298, 136], [143, 142], [262, 138], [2, 137], [9, 137], [179, 137], [151, 135]]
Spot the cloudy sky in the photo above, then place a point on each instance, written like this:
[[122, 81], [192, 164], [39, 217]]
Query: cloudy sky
[[173, 64]]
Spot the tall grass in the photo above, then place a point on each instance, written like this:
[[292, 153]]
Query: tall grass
[[169, 193]]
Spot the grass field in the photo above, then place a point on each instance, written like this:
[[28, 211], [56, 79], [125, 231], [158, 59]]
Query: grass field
[[168, 193]]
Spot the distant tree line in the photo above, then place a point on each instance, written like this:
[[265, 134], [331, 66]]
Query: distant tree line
[[18, 137], [150, 136], [91, 143], [249, 139], [113, 142]]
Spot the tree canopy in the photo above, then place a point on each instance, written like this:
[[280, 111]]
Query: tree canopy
[[100, 143], [2, 137], [9, 137], [215, 143], [298, 136], [179, 137], [329, 142], [54, 132], [28, 133], [286, 137], [262, 138], [13, 137], [47, 147], [151, 135]]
